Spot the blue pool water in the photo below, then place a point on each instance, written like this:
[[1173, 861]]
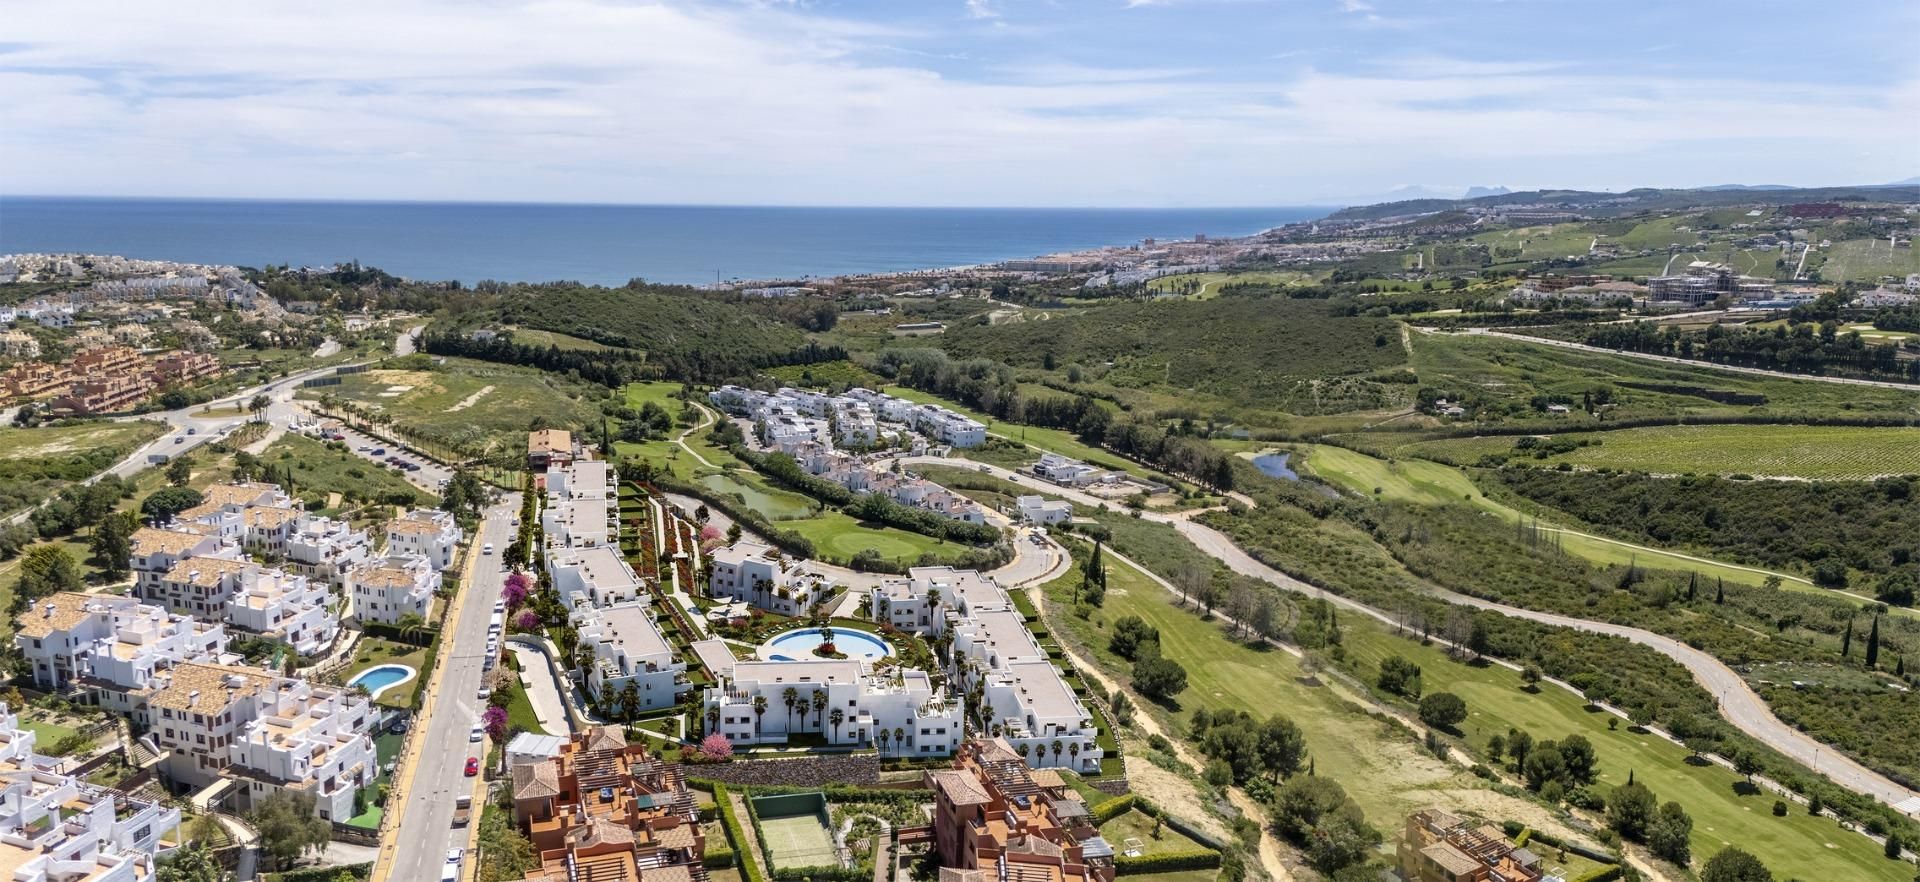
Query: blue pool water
[[380, 679], [799, 645]]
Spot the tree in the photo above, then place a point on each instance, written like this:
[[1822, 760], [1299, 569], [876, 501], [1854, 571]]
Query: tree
[[1157, 676], [1733, 865], [716, 748], [1317, 815], [494, 720], [1747, 762], [837, 717], [1873, 645], [1282, 747], [180, 471], [819, 704], [1630, 810], [1669, 834], [1577, 752], [45, 569], [259, 402], [1897, 589], [1443, 710], [112, 544], [194, 863], [792, 697], [1519, 744], [1130, 635], [1399, 676], [759, 711], [288, 827], [161, 505], [1530, 676], [1543, 764], [1093, 576]]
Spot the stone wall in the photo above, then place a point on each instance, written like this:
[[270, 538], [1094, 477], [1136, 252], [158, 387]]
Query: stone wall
[[860, 770]]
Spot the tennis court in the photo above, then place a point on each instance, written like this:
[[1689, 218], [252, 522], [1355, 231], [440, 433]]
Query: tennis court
[[796, 830]]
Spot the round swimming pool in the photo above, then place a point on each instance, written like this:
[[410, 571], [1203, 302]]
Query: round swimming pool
[[381, 678], [798, 645]]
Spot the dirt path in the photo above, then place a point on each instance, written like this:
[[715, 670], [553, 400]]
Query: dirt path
[[706, 419], [470, 400]]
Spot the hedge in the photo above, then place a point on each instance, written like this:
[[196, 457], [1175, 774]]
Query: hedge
[[1111, 809], [419, 697], [422, 636], [718, 858], [323, 874], [1600, 874], [824, 874], [1167, 862], [749, 868]]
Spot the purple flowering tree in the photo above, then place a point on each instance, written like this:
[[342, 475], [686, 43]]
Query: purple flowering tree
[[495, 722], [516, 591], [527, 620]]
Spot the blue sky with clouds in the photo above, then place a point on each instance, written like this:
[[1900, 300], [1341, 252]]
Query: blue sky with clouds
[[952, 102]]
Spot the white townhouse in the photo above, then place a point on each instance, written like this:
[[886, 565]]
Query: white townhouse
[[931, 599], [898, 711], [762, 576], [1064, 470], [108, 640], [628, 647], [854, 423], [155, 551], [250, 597], [324, 549], [430, 533], [592, 577], [582, 507], [388, 588], [889, 408], [58, 828], [1043, 511], [949, 428], [737, 400]]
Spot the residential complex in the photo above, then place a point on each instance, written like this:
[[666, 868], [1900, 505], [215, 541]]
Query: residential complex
[[606, 810], [791, 417], [58, 828], [109, 639], [1440, 846], [857, 475], [429, 533], [760, 575], [898, 711], [993, 823], [582, 504], [103, 377], [629, 649], [390, 588]]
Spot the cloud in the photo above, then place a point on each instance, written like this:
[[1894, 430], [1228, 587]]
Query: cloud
[[981, 9]]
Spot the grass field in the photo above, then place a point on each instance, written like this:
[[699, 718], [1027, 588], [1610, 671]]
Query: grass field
[[51, 441], [1795, 846], [472, 406], [1540, 243], [1867, 260], [798, 841], [1816, 452], [319, 470], [1211, 283], [1425, 482], [566, 342], [1139, 825], [840, 536]]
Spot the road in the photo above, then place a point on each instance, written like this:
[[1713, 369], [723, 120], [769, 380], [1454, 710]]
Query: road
[[415, 845], [1739, 704], [1686, 362]]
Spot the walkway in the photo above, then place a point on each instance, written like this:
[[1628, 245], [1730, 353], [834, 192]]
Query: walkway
[[537, 676], [1739, 704]]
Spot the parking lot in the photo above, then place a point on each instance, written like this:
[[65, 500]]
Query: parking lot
[[419, 470]]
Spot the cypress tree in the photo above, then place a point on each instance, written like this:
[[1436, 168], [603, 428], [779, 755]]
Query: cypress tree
[[1720, 592], [1693, 585], [1846, 642], [1873, 645]]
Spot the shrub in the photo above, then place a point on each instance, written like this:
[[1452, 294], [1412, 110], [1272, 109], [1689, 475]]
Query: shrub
[[1167, 862], [1111, 809]]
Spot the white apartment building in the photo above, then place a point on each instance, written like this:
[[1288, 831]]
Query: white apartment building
[[426, 532], [250, 597], [56, 828], [155, 551], [898, 711], [854, 423], [628, 647], [1025, 697], [949, 428], [736, 400], [582, 507], [388, 588], [1064, 470], [784, 429], [1044, 511], [592, 577], [108, 641], [264, 731], [885, 407], [762, 576], [324, 549]]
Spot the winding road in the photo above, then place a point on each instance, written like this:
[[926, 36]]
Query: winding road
[[1739, 704]]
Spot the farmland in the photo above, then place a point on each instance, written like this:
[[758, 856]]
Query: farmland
[[1817, 452], [1867, 259]]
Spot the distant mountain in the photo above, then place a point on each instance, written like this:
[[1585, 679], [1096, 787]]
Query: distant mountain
[[1477, 192], [1749, 187], [1909, 182]]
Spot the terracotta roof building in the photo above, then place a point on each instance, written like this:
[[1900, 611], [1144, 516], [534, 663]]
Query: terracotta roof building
[[1440, 846], [993, 823], [607, 810]]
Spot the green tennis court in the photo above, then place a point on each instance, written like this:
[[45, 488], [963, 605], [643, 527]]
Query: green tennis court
[[795, 828]]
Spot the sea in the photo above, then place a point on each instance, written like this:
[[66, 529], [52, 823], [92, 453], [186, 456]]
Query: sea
[[596, 244]]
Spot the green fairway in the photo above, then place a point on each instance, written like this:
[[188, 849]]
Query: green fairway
[[1813, 452], [1795, 846], [839, 536], [469, 406], [1431, 483]]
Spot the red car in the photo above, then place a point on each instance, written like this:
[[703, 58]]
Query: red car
[[473, 766]]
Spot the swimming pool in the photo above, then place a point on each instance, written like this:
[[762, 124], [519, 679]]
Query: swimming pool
[[798, 645], [381, 678]]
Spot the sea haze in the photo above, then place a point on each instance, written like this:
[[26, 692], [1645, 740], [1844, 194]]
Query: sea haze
[[603, 244]]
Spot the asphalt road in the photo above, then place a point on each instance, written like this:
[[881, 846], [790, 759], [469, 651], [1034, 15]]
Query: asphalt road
[[438, 774], [1739, 704], [1691, 362]]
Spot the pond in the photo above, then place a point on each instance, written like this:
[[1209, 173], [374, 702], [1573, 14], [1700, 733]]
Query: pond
[[1274, 465], [380, 678], [798, 645], [775, 505]]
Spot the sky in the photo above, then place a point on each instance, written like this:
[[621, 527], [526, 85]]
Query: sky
[[948, 102]]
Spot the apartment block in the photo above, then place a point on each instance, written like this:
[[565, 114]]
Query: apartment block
[[426, 532], [582, 506], [900, 712], [1440, 846], [629, 648], [324, 549], [388, 588], [57, 828], [762, 576], [993, 823], [548, 447], [593, 577], [606, 810], [250, 597], [109, 641]]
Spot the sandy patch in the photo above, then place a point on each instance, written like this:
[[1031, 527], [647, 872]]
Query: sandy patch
[[470, 400], [399, 389], [1171, 792]]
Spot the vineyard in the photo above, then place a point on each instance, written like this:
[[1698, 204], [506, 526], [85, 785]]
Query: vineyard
[[1816, 452]]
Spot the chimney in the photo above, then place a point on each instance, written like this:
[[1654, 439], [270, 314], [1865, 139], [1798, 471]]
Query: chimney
[[47, 612], [193, 698]]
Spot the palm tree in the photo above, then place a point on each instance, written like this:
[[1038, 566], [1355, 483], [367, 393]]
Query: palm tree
[[837, 717], [630, 701], [1025, 748], [803, 709], [881, 736], [759, 710], [791, 696], [819, 705], [899, 737], [1057, 747], [713, 720], [1073, 753]]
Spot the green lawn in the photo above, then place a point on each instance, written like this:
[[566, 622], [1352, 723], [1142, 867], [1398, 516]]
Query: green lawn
[[520, 713], [1211, 283], [373, 652], [1816, 452], [46, 734], [1867, 260], [465, 405], [535, 337], [1431, 483], [320, 469], [1140, 825], [1043, 440], [1795, 846], [840, 536]]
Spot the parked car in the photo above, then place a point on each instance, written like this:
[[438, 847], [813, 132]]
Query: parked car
[[473, 766], [379, 451], [476, 733], [487, 548]]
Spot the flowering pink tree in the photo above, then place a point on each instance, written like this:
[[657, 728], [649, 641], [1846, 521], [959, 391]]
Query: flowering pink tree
[[527, 620], [516, 591], [716, 748], [495, 722], [711, 538]]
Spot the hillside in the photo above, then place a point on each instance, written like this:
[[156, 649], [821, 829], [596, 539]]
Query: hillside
[[1267, 351], [1617, 204], [674, 327]]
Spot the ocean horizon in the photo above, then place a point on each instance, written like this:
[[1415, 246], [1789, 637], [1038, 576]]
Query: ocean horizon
[[596, 244]]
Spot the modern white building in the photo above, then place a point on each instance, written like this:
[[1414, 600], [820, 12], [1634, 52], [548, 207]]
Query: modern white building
[[762, 576], [108, 639], [582, 506], [324, 549], [628, 647], [1043, 511], [250, 597], [389, 588], [1064, 470], [57, 828], [949, 428], [930, 600], [155, 551], [897, 711], [427, 532], [591, 577]]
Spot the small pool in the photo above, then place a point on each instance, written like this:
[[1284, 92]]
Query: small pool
[[798, 645], [381, 678]]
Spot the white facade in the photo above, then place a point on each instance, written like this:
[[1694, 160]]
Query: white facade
[[591, 577], [582, 506], [429, 533], [56, 828], [1064, 470], [324, 549], [1043, 511], [388, 589], [250, 597], [108, 638], [628, 647], [917, 720], [762, 576]]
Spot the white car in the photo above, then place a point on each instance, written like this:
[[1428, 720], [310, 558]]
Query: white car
[[487, 548], [483, 694], [476, 733], [499, 606]]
